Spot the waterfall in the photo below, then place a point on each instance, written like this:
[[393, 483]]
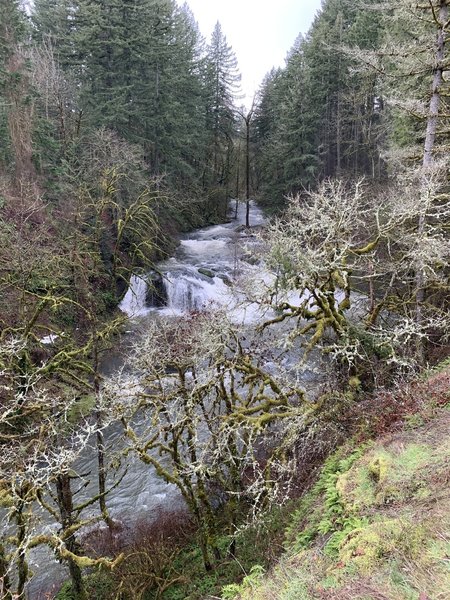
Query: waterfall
[[200, 275], [134, 301], [190, 292]]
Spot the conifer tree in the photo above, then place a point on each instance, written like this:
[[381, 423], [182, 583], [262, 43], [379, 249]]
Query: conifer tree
[[222, 85], [325, 121], [15, 94]]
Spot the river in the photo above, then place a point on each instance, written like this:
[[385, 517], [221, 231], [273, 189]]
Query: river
[[210, 267]]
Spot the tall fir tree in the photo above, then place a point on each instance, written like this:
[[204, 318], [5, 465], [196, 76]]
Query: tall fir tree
[[325, 121], [222, 88]]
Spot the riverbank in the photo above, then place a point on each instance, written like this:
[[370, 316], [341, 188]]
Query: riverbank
[[376, 524], [369, 521]]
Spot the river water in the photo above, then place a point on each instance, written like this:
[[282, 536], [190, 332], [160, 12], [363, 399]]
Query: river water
[[211, 267], [206, 271]]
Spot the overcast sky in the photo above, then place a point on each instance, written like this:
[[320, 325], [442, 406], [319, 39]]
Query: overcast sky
[[261, 32]]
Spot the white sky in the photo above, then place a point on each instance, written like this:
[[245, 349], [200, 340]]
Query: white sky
[[261, 32]]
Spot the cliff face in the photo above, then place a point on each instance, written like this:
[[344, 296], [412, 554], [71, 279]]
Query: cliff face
[[376, 525]]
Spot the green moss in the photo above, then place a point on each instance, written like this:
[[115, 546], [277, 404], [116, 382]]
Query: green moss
[[65, 593], [356, 489], [296, 589], [410, 459], [366, 547], [380, 466], [249, 583], [389, 475], [6, 500], [81, 408], [363, 525]]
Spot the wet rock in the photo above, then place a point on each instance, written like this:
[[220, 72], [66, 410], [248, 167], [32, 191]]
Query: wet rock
[[156, 294], [227, 281], [206, 272]]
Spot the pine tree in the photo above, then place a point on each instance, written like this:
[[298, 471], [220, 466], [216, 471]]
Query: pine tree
[[222, 86]]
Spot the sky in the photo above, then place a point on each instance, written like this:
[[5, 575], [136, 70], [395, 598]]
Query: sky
[[261, 32]]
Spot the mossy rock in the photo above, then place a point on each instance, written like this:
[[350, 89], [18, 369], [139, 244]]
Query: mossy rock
[[206, 272], [227, 281], [380, 466]]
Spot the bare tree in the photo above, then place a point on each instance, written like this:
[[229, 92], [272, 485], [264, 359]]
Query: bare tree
[[334, 245], [40, 440], [198, 414], [247, 119]]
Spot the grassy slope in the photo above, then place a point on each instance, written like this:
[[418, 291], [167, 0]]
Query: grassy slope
[[376, 525]]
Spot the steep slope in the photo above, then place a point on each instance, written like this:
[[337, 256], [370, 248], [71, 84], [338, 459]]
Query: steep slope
[[376, 525]]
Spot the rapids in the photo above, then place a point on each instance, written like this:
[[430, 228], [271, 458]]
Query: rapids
[[207, 270]]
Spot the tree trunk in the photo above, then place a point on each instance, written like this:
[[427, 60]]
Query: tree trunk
[[22, 565], [247, 169], [100, 443], [4, 576], [428, 160], [338, 106], [432, 119], [65, 504]]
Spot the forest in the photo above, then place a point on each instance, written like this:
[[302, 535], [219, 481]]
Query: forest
[[287, 397]]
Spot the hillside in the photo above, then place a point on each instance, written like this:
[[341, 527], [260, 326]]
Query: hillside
[[376, 525]]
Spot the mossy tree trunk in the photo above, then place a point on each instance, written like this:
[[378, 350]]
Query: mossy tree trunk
[[440, 16], [65, 504]]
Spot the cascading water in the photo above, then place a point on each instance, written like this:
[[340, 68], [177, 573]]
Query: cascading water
[[187, 290], [134, 301], [199, 276]]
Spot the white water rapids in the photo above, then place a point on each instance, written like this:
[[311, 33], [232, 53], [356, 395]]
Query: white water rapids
[[207, 270]]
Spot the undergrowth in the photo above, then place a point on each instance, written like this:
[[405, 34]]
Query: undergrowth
[[321, 511], [376, 524]]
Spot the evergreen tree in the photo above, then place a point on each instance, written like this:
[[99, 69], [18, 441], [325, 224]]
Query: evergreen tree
[[138, 68], [325, 120], [222, 86], [269, 138], [54, 25], [16, 99]]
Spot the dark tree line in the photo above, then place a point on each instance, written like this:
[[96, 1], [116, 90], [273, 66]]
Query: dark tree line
[[353, 92]]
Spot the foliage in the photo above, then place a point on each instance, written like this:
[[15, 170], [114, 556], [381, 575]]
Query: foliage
[[321, 116], [307, 523], [118, 128], [378, 544], [39, 445], [250, 581], [335, 241]]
